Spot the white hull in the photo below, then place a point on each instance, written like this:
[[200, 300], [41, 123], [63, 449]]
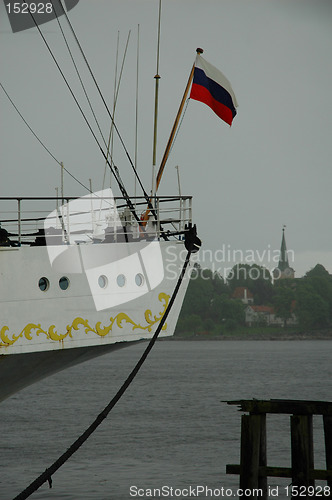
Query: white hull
[[45, 331]]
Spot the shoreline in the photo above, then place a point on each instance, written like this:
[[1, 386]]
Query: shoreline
[[278, 335]]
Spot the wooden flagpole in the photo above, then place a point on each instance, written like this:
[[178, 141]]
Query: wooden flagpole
[[172, 135]]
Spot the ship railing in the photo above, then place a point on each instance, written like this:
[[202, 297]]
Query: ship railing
[[23, 219]]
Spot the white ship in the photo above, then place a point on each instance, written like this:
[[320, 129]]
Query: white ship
[[89, 279], [82, 277]]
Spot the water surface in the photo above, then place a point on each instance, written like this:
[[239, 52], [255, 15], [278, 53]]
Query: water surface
[[170, 429]]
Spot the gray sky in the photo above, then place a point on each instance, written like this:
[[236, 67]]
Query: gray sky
[[272, 167]]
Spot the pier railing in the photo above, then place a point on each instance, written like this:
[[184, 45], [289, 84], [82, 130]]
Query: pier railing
[[23, 218], [253, 468]]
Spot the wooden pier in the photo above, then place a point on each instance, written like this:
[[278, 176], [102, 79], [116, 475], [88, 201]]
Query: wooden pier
[[253, 468]]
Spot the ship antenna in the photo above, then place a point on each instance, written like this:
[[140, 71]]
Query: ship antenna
[[156, 99], [136, 111], [171, 138]]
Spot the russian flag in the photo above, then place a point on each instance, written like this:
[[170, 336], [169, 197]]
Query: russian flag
[[212, 87]]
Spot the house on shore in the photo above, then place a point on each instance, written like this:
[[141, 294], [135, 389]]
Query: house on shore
[[266, 315]]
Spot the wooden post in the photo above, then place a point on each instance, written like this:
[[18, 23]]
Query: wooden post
[[262, 480], [328, 444], [253, 469], [250, 448], [302, 450]]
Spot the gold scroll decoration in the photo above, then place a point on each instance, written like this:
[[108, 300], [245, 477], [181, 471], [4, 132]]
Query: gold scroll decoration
[[98, 329]]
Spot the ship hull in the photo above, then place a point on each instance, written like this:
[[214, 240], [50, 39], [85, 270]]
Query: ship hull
[[48, 323]]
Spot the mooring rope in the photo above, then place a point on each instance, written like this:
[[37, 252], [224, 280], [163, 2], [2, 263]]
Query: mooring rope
[[47, 475]]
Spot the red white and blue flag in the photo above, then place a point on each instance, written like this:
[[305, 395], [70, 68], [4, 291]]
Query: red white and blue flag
[[212, 87]]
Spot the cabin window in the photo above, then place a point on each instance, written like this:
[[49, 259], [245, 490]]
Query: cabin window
[[121, 280], [139, 279], [64, 283], [102, 281], [43, 284]]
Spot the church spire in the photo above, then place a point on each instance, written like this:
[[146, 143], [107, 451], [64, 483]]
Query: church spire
[[283, 270], [283, 259]]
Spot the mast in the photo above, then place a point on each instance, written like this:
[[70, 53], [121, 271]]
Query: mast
[[172, 135], [136, 112], [156, 100]]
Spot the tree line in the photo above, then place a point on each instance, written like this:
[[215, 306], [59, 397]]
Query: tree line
[[209, 306]]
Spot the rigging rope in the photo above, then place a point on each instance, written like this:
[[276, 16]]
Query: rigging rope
[[47, 475], [39, 140], [108, 155], [43, 145], [79, 77], [116, 93], [120, 184], [107, 109]]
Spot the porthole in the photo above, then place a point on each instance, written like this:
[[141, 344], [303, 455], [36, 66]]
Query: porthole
[[139, 279], [43, 284], [121, 280], [64, 283], [102, 281]]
